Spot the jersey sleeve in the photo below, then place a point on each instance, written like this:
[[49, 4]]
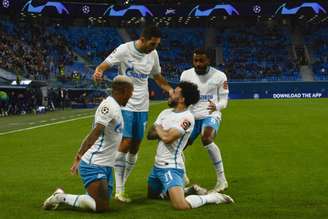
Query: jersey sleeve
[[116, 56], [104, 114], [223, 85], [185, 124], [156, 67]]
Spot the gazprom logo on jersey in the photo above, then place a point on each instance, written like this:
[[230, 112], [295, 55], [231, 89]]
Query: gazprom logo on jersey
[[228, 8], [143, 10], [130, 72], [206, 97], [316, 7], [50, 4]]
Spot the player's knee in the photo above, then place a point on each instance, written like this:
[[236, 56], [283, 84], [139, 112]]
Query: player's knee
[[180, 206], [102, 205], [206, 140]]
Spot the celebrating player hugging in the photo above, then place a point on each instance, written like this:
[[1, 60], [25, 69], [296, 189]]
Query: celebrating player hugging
[[173, 128]]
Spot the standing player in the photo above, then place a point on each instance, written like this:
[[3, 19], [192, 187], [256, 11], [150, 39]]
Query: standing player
[[137, 60], [213, 87], [95, 158], [173, 128]]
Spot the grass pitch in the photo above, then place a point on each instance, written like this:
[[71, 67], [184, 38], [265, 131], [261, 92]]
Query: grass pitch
[[274, 153]]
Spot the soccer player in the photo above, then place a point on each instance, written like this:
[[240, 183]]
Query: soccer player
[[213, 87], [173, 128], [96, 156], [137, 60]]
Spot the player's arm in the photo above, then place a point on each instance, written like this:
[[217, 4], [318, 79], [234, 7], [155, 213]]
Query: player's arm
[[167, 136], [152, 134], [97, 75], [86, 144], [112, 60], [223, 93], [160, 81]]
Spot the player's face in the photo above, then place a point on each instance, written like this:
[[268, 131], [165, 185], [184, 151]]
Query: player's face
[[175, 97], [126, 96], [149, 45], [200, 63]]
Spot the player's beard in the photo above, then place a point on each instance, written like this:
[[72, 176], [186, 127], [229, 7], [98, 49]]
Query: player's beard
[[172, 103], [201, 71]]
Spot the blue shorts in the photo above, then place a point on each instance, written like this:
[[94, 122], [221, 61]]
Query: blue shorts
[[134, 124], [200, 124], [90, 173], [162, 179]]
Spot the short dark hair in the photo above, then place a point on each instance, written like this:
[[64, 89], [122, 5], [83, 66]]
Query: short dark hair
[[190, 92], [151, 31], [203, 51], [121, 86]]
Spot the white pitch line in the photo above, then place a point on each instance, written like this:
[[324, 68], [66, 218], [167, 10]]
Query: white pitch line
[[45, 125], [59, 122]]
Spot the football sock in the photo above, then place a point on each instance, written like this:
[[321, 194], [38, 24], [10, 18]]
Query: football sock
[[130, 162], [215, 155], [119, 168], [196, 201], [79, 201]]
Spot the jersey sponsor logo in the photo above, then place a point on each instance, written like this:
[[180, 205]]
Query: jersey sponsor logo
[[185, 124], [225, 85], [104, 110], [131, 73], [206, 97]]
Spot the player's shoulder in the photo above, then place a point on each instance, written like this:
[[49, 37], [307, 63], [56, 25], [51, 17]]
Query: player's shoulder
[[187, 73], [217, 73]]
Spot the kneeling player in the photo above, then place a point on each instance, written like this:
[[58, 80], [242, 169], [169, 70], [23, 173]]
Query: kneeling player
[[173, 128], [95, 158]]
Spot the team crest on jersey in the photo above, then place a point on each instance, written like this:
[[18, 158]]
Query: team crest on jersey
[[185, 124], [104, 110]]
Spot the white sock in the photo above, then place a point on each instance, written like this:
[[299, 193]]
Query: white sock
[[215, 155], [79, 201], [119, 168], [130, 162], [196, 201]]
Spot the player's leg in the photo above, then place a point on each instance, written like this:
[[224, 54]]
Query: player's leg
[[155, 187], [120, 158], [172, 180], [98, 183], [138, 130], [195, 132], [209, 129]]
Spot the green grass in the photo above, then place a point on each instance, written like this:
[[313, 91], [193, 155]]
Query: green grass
[[274, 152]]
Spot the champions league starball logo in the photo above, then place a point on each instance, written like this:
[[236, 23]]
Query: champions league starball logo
[[60, 8], [143, 10], [228, 8], [257, 9], [316, 7], [5, 3], [86, 9]]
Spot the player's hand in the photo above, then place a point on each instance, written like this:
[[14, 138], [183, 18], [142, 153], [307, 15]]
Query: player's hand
[[211, 106], [97, 75], [171, 92], [75, 167]]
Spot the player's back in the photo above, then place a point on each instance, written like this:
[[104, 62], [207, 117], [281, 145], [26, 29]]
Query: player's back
[[104, 149], [210, 86], [169, 155]]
